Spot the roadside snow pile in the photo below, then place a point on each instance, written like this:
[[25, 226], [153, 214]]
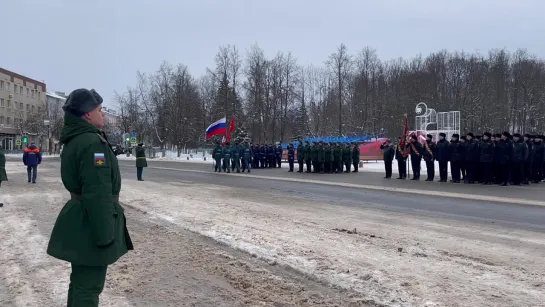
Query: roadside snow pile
[[392, 259]]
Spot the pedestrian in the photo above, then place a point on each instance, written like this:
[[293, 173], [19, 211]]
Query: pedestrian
[[486, 158], [3, 175], [90, 231], [455, 156], [278, 155], [472, 156], [388, 153], [443, 156], [32, 157], [141, 161], [506, 156], [520, 155], [429, 154], [300, 155]]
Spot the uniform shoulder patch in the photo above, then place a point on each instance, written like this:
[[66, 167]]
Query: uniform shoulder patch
[[100, 159]]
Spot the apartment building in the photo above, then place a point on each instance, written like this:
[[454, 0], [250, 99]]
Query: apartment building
[[21, 100]]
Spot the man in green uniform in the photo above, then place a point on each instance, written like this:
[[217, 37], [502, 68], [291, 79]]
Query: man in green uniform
[[218, 155], [141, 161], [347, 157], [314, 157], [321, 157], [3, 175], [328, 157], [355, 157], [337, 158], [90, 231], [235, 154], [227, 157], [300, 155], [307, 154]]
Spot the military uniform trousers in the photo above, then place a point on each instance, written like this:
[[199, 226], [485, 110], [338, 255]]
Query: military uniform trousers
[[86, 284], [308, 163], [487, 175], [388, 169], [402, 168], [290, 162], [430, 170], [356, 165], [455, 171], [301, 164], [217, 166], [443, 170]]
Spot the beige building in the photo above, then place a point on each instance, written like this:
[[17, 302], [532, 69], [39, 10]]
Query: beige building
[[22, 102]]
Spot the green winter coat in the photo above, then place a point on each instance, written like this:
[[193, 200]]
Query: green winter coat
[[328, 154], [320, 154], [306, 152], [337, 154], [347, 154], [356, 155], [314, 153], [3, 175], [141, 157], [91, 227]]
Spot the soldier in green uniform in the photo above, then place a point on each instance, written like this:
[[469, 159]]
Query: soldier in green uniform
[[300, 155], [355, 157], [3, 175], [90, 231], [235, 153], [227, 157], [328, 157], [347, 157], [217, 153], [307, 154], [314, 157], [141, 161], [337, 158], [321, 157]]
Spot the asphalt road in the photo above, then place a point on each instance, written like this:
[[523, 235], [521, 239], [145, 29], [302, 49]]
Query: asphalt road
[[485, 212]]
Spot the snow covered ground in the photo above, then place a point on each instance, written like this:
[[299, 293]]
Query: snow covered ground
[[388, 259], [173, 156]]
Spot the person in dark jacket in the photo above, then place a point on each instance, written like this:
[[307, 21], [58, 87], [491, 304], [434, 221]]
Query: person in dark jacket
[[262, 156], [3, 175], [456, 153], [496, 165], [90, 231], [538, 155], [388, 153], [520, 155], [291, 156], [463, 160], [328, 161], [278, 156], [227, 154], [478, 169], [486, 158], [415, 150], [307, 156], [337, 158], [31, 159], [472, 158], [528, 139], [246, 157], [255, 158], [141, 161], [347, 157], [300, 155], [401, 157], [506, 154], [429, 154], [355, 157], [217, 153], [443, 156]]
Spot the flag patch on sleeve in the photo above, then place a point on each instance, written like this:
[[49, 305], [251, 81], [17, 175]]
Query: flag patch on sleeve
[[100, 160]]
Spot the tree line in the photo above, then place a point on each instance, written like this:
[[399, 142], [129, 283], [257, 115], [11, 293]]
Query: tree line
[[277, 99]]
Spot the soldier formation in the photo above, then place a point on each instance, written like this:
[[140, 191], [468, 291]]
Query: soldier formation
[[488, 159], [318, 157]]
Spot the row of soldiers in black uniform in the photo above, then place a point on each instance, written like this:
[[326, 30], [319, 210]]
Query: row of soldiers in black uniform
[[320, 157], [487, 159]]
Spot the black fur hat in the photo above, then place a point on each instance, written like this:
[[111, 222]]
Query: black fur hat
[[471, 135], [516, 135], [488, 134], [526, 135], [498, 135], [456, 135], [81, 101], [429, 136], [442, 134], [506, 134]]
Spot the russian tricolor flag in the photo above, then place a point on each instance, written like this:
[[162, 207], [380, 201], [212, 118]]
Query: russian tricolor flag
[[217, 128]]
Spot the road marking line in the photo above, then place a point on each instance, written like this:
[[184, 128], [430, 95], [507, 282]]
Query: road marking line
[[488, 198]]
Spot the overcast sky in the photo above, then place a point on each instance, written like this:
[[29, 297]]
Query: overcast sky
[[101, 44]]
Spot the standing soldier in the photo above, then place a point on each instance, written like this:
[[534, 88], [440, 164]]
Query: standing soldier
[[3, 175], [528, 139], [347, 157], [262, 155], [506, 154], [355, 157], [401, 157], [278, 155], [429, 157], [539, 154], [472, 158], [328, 151], [246, 157], [463, 162], [337, 157], [227, 157], [321, 157], [478, 168], [270, 156], [415, 150], [456, 154], [443, 155], [388, 153], [307, 155], [314, 157], [300, 155], [486, 158], [520, 155], [496, 165], [235, 152], [141, 161], [255, 158], [90, 231], [291, 156], [217, 153]]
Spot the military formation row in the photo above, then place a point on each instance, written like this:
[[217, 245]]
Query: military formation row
[[320, 157], [488, 159]]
